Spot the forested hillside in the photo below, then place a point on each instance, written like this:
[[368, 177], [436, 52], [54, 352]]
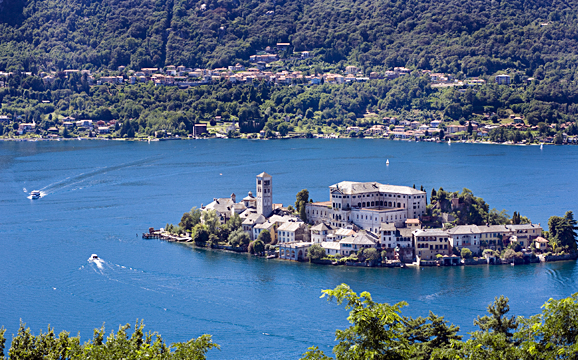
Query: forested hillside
[[472, 37]]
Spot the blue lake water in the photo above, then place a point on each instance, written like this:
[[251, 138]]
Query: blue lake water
[[100, 195]]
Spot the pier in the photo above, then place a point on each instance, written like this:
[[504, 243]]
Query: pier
[[162, 235]]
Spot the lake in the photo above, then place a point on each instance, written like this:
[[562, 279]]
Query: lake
[[101, 195]]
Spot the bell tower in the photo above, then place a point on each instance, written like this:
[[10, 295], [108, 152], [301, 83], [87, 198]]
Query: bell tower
[[264, 194]]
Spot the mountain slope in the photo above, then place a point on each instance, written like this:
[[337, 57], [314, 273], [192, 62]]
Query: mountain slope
[[474, 37]]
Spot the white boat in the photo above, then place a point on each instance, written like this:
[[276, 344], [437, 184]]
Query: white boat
[[449, 141], [387, 162], [541, 146], [35, 194], [93, 257]]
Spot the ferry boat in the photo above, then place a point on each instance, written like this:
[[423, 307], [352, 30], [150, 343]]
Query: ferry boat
[[35, 194]]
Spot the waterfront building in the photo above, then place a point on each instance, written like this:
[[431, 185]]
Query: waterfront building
[[392, 237], [431, 242], [368, 205], [465, 236], [494, 237], [525, 234], [353, 244], [294, 250]]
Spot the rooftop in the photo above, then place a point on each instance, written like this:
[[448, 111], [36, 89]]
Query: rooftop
[[352, 188]]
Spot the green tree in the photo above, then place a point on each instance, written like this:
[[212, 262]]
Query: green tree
[[430, 335], [315, 252], [200, 235], [553, 334], [211, 220], [375, 331], [301, 197], [239, 238], [370, 254], [265, 236], [256, 247], [466, 253], [303, 212], [190, 219], [563, 230]]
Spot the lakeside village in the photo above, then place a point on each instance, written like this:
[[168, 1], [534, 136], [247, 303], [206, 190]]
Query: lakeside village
[[264, 68], [367, 224]]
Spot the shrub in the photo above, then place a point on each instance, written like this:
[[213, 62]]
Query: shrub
[[466, 253]]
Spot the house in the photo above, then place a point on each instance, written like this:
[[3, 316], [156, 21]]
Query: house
[[103, 129], [353, 244], [199, 129], [503, 79], [494, 237], [283, 46], [351, 69], [86, 124], [331, 248], [392, 237], [525, 234], [452, 129], [305, 54], [4, 118], [26, 127], [320, 232], [465, 236], [291, 232], [429, 243], [296, 251], [435, 123], [540, 243], [223, 207]]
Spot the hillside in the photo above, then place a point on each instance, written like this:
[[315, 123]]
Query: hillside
[[471, 37]]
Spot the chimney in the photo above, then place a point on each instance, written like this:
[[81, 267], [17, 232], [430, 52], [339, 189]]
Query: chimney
[[233, 197]]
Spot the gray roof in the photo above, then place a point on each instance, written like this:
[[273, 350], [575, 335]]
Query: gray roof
[[359, 239], [464, 230], [352, 188], [388, 226], [430, 232], [493, 228], [222, 205], [321, 226], [290, 226], [524, 227]]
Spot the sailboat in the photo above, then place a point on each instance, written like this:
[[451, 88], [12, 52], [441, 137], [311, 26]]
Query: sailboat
[[449, 141], [541, 146], [387, 162]]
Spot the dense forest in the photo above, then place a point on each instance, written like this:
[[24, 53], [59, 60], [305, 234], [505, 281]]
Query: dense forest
[[471, 37]]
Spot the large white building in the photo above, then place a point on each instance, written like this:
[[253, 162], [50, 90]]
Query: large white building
[[368, 205]]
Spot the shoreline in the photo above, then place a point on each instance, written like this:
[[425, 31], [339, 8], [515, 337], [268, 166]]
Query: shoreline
[[241, 138], [527, 260]]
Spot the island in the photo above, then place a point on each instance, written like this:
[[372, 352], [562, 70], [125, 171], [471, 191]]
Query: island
[[373, 224]]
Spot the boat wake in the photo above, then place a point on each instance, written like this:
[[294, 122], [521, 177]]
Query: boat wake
[[87, 179]]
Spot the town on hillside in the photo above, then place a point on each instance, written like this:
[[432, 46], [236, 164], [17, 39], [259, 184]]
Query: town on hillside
[[267, 67], [362, 223]]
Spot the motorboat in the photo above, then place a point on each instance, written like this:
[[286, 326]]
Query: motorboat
[[35, 194], [93, 257], [387, 162]]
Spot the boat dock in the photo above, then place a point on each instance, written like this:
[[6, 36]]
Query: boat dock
[[162, 235]]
